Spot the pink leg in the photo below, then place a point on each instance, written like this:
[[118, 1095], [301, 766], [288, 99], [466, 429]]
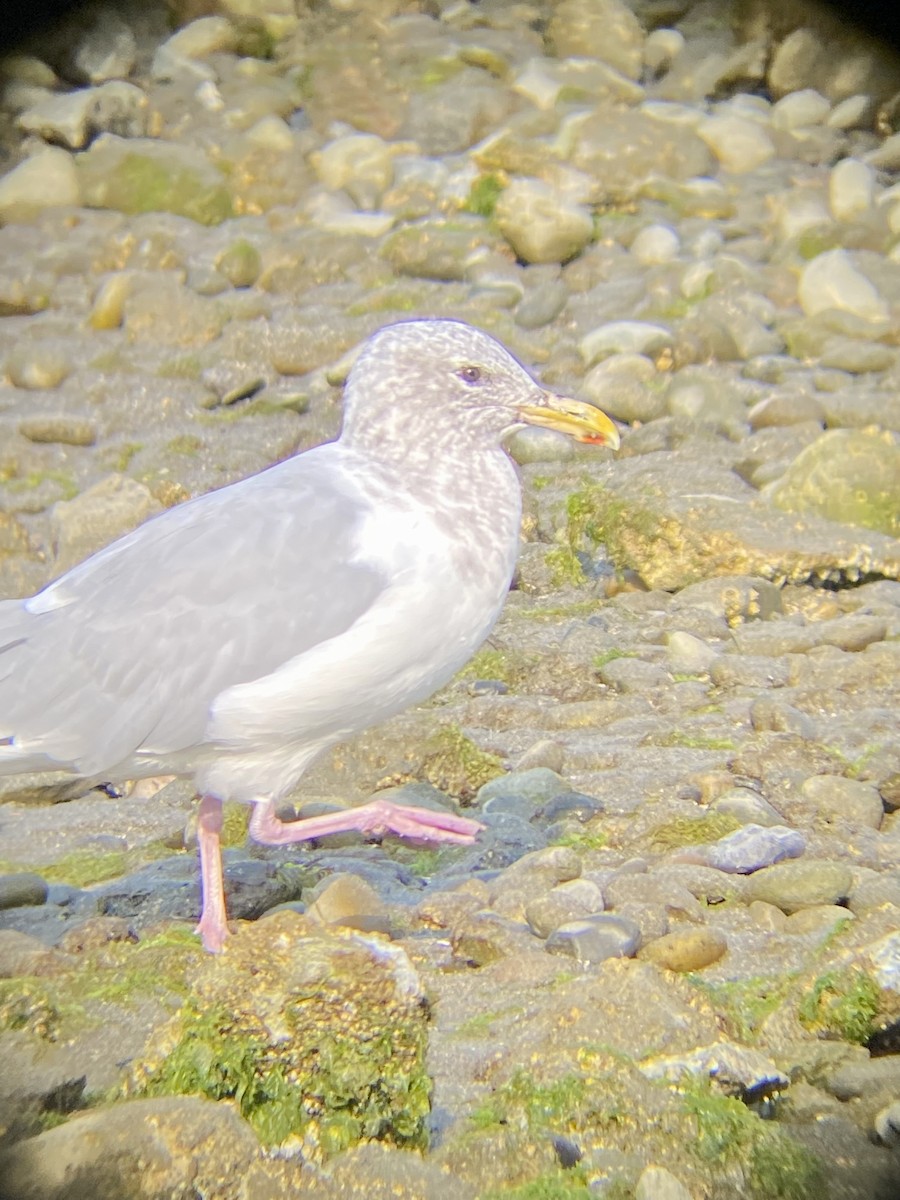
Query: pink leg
[[376, 817], [212, 927]]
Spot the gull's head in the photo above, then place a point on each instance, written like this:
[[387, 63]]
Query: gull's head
[[429, 379]]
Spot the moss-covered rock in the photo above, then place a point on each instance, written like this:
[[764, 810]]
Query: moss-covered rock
[[138, 175], [313, 1034], [847, 475]]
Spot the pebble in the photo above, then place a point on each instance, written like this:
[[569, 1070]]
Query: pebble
[[540, 224], [48, 180], [656, 244], [623, 386], [604, 29], [566, 902], [595, 939], [99, 514], [851, 189], [61, 430], [658, 1183], [107, 51], [360, 163], [835, 798], [753, 847], [799, 109], [739, 145], [747, 806], [819, 919], [800, 884], [662, 47], [852, 113], [688, 655], [74, 118], [887, 1124], [349, 901], [831, 280], [624, 337], [686, 949], [22, 888], [36, 366]]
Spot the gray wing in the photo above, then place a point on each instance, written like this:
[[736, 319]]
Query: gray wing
[[129, 648]]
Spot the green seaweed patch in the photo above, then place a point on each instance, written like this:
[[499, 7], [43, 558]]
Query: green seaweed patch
[[744, 1004], [34, 479], [185, 366], [140, 184], [33, 1006], [118, 458], [773, 1163], [599, 661], [456, 765], [484, 194], [582, 840], [553, 612], [526, 1103], [235, 823], [557, 1185], [124, 973], [84, 867], [344, 1087], [213, 1059], [187, 444], [595, 517], [692, 831], [565, 566], [843, 1002], [681, 739], [492, 664]]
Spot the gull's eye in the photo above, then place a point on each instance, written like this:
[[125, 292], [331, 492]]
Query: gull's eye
[[470, 374]]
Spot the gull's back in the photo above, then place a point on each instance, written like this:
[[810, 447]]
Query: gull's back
[[126, 652]]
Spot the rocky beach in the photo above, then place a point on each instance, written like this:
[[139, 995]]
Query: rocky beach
[[669, 968]]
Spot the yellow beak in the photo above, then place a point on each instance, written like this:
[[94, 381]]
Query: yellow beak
[[581, 421]]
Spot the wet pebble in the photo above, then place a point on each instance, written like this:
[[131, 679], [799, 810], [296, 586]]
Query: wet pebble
[[566, 902], [838, 799], [686, 949], [595, 939], [36, 366], [801, 884], [747, 806], [66, 431], [22, 888], [754, 847]]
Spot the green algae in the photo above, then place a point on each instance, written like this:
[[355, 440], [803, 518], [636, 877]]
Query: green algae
[[692, 831], [595, 517], [456, 765], [308, 1036], [744, 1004], [773, 1163], [560, 1185], [525, 1102], [582, 840], [138, 183], [84, 867], [565, 566], [843, 1003], [484, 194], [692, 741], [123, 974]]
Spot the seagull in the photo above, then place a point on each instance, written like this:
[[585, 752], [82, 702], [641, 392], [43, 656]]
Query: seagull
[[235, 637]]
